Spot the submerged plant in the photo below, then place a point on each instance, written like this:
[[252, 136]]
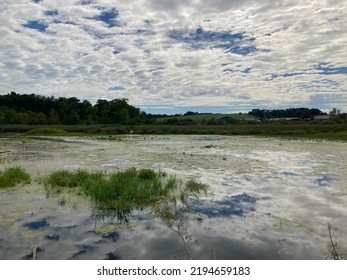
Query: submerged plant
[[13, 176]]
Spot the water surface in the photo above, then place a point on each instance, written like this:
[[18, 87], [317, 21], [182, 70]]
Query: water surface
[[272, 199]]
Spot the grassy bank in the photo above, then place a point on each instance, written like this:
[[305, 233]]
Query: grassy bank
[[292, 129]]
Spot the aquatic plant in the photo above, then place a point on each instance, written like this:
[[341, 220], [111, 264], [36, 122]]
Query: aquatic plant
[[72, 179], [176, 204], [13, 176], [126, 189], [117, 194], [334, 253]]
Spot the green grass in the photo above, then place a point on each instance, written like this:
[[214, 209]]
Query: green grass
[[127, 189], [13, 176], [47, 131], [287, 129]]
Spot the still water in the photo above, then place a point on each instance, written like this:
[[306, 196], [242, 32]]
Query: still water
[[272, 199]]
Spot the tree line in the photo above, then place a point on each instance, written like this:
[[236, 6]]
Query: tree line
[[36, 109], [42, 110], [301, 113]]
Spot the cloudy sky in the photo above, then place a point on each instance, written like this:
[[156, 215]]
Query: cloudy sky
[[177, 55]]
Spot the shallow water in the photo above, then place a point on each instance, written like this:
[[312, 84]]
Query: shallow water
[[272, 199]]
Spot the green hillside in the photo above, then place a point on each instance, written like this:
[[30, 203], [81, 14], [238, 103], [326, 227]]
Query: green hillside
[[204, 118]]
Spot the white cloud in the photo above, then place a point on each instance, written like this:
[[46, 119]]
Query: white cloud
[[193, 53]]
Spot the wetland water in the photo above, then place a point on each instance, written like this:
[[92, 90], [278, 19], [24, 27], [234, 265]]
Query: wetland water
[[272, 199]]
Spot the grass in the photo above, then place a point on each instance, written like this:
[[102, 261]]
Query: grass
[[47, 131], [13, 176], [287, 129], [128, 189]]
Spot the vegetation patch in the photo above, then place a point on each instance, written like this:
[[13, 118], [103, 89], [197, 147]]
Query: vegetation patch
[[13, 176], [44, 131], [117, 194], [128, 189]]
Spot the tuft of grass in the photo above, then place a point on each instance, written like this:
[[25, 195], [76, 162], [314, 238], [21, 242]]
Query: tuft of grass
[[117, 194], [13, 176], [126, 189], [71, 179], [44, 131]]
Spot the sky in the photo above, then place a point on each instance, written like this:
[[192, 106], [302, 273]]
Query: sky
[[174, 56]]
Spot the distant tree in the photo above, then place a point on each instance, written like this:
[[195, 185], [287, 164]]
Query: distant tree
[[36, 109], [335, 112], [190, 113], [302, 113], [124, 116], [53, 117]]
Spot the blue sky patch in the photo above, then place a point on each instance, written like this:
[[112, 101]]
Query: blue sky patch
[[145, 32], [51, 13], [229, 70], [37, 25], [319, 69], [118, 50], [109, 17], [326, 70], [115, 88], [86, 2], [155, 69], [236, 43]]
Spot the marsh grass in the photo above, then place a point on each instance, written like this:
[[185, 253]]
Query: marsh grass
[[128, 189], [13, 176], [44, 131], [117, 194]]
